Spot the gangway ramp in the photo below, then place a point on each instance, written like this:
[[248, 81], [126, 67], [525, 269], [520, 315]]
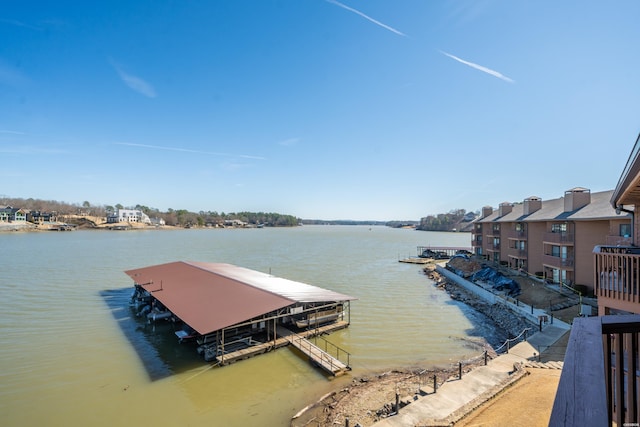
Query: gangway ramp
[[317, 355]]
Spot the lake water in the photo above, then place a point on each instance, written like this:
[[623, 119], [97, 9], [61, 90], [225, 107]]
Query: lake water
[[72, 354]]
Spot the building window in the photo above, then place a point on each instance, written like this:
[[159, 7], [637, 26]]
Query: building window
[[625, 230], [559, 228]]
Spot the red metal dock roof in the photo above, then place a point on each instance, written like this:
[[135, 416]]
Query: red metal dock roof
[[213, 296]]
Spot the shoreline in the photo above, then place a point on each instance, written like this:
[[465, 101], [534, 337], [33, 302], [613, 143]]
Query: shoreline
[[380, 390]]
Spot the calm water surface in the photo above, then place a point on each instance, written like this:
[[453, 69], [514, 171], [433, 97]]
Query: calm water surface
[[71, 354]]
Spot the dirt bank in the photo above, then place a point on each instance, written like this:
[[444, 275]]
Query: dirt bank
[[368, 399]]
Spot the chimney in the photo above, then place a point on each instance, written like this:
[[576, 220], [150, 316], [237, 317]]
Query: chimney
[[505, 208], [486, 211], [532, 204], [576, 198]]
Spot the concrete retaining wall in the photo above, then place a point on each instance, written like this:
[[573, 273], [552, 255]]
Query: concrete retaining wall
[[491, 298]]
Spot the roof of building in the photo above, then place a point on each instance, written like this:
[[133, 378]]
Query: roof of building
[[628, 189], [212, 296], [553, 210]]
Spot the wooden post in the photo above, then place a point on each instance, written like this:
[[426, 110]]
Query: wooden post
[[346, 422], [485, 357], [397, 402], [435, 384], [459, 370]]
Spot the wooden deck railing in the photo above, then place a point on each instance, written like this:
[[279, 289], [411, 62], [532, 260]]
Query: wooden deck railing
[[617, 272], [599, 381]]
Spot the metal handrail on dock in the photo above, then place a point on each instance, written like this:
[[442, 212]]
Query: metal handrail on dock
[[319, 356], [328, 343]]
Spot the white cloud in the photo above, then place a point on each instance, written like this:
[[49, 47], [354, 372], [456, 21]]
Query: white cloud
[[480, 67], [357, 12], [134, 82]]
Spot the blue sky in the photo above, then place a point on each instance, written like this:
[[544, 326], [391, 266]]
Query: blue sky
[[355, 109]]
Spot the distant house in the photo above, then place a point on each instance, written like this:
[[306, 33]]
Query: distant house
[[40, 217], [469, 216], [9, 214], [157, 221], [129, 215]]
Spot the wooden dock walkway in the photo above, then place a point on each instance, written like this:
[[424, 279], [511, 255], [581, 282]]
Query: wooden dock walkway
[[318, 356], [284, 338], [416, 260]]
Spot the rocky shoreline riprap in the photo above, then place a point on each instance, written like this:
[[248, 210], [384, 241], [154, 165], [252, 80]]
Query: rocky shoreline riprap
[[368, 399]]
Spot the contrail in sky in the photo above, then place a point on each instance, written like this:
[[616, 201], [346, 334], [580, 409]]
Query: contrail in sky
[[393, 30], [186, 150], [479, 67]]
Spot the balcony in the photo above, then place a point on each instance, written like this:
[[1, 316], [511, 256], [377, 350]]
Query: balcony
[[599, 381], [558, 262], [617, 271], [559, 238], [517, 253], [618, 241], [517, 234]]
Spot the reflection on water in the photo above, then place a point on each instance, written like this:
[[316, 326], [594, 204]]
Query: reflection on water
[[73, 353]]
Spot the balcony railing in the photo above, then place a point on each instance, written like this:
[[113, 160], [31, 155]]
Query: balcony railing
[[618, 241], [558, 262], [517, 253], [617, 272], [599, 381], [559, 238], [517, 234]]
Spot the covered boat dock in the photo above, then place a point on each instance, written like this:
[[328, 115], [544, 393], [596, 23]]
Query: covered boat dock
[[233, 313], [442, 252]]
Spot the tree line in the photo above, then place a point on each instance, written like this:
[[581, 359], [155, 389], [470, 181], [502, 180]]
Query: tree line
[[174, 217], [454, 220]]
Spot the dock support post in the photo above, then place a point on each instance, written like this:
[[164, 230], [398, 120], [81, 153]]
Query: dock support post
[[274, 333], [459, 370], [435, 384], [485, 358], [397, 403]]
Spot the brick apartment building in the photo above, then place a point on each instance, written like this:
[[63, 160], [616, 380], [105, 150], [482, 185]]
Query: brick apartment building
[[554, 238]]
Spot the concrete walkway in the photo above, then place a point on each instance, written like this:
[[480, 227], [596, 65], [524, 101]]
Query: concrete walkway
[[456, 397]]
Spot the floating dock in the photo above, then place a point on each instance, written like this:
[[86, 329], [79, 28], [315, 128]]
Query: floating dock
[[442, 252], [416, 260]]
